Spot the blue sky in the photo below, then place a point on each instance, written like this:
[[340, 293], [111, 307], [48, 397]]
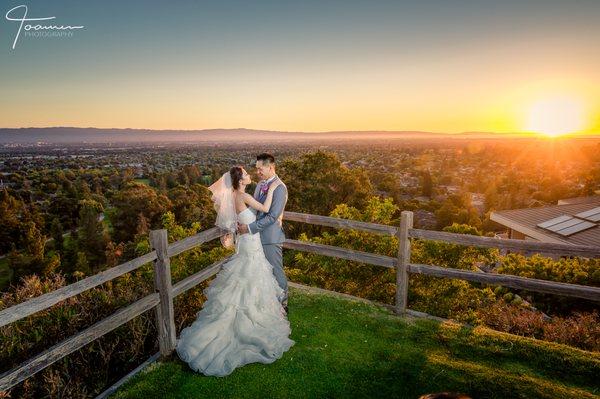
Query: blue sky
[[310, 65]]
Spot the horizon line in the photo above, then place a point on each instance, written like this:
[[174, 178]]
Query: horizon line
[[529, 133]]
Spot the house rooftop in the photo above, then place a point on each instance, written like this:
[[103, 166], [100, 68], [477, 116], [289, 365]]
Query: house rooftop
[[526, 221], [590, 199]]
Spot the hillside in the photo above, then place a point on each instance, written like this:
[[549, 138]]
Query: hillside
[[346, 348]]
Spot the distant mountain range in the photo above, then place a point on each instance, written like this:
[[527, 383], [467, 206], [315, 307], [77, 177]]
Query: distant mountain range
[[59, 135]]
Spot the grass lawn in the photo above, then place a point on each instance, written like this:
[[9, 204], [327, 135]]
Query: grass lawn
[[346, 348]]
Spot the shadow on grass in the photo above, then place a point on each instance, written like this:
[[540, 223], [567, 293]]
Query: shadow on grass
[[352, 349]]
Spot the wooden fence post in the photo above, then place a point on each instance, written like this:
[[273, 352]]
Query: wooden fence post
[[165, 315], [406, 223]]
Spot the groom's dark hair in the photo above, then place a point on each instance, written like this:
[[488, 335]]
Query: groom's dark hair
[[265, 156]]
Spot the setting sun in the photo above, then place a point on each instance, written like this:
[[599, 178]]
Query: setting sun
[[556, 116]]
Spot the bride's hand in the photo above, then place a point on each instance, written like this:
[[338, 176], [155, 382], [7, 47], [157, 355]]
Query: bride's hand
[[274, 185]]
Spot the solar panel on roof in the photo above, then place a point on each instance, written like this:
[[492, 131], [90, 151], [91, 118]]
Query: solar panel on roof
[[591, 215], [563, 225], [583, 225], [554, 221]]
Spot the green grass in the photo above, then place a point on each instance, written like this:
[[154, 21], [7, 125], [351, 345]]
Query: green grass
[[346, 348]]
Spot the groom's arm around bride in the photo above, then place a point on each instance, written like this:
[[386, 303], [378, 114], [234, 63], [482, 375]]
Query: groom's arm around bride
[[272, 216], [270, 233]]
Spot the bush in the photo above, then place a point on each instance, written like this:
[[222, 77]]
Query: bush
[[580, 271], [581, 330], [566, 270]]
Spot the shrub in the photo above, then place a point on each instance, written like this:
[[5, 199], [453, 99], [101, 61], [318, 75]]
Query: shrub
[[581, 330]]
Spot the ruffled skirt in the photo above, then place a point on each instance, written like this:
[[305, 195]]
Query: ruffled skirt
[[242, 320]]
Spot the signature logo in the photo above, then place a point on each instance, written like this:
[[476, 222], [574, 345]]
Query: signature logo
[[11, 16]]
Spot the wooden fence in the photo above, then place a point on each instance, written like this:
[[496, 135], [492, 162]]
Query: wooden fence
[[162, 299]]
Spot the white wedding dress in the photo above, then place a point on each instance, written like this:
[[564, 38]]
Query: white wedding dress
[[242, 320]]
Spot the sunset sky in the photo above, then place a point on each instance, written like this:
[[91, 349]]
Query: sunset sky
[[441, 66]]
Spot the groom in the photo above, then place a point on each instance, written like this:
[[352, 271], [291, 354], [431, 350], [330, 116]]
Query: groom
[[269, 224]]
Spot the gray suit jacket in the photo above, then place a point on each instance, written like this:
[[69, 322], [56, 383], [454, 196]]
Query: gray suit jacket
[[267, 224]]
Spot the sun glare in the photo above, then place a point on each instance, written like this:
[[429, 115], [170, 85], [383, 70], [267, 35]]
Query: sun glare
[[556, 116]]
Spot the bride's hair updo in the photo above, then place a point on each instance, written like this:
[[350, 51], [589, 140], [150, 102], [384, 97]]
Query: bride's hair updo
[[236, 173]]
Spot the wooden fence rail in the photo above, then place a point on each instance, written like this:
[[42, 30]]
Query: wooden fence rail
[[162, 299], [462, 239]]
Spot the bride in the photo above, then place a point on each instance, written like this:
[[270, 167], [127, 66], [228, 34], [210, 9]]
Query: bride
[[242, 320]]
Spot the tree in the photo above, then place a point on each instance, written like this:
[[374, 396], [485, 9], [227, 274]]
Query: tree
[[10, 211], [56, 232], [91, 234], [492, 199], [318, 182], [192, 204], [142, 226], [129, 202], [34, 241], [113, 253], [66, 209], [175, 231], [426, 184], [31, 259], [457, 208], [193, 173], [162, 183], [82, 264], [84, 190], [183, 178]]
